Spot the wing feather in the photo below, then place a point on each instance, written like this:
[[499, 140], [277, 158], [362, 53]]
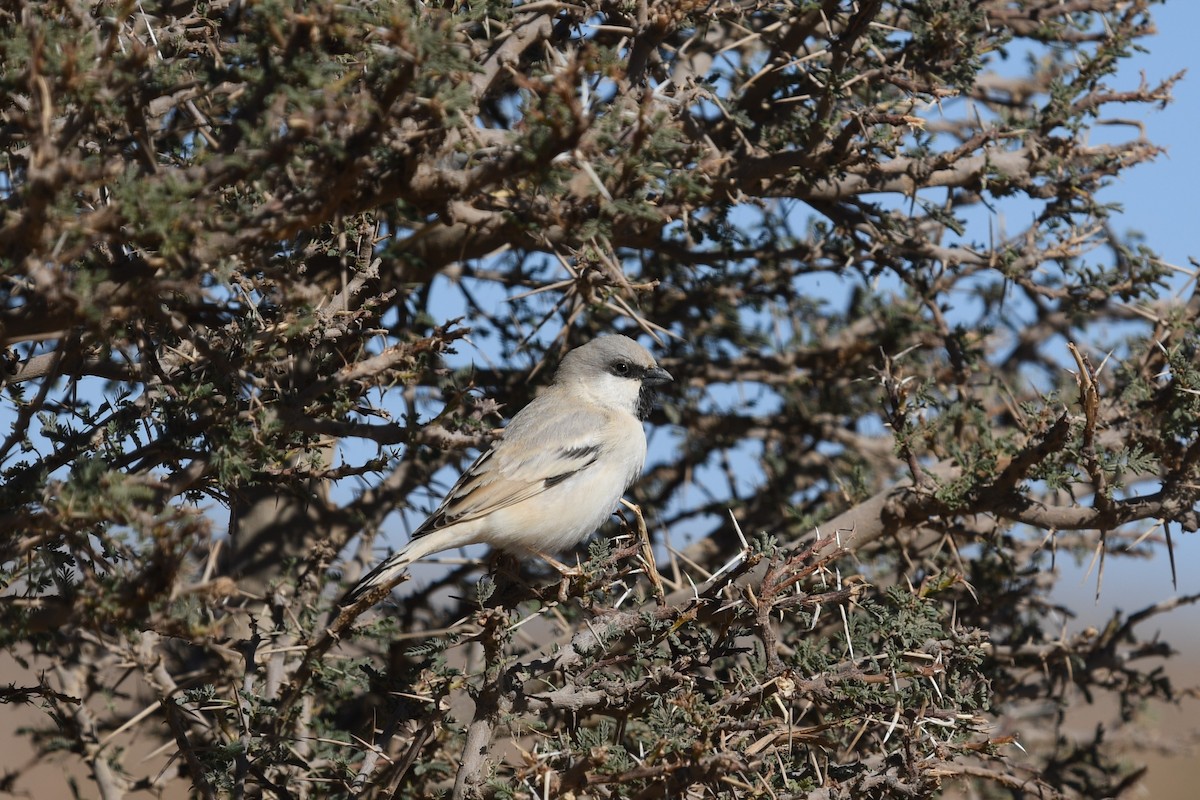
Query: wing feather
[[522, 463]]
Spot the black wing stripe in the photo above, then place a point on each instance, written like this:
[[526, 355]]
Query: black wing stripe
[[557, 479], [583, 451], [554, 480]]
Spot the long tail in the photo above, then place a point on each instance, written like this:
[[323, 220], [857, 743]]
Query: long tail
[[390, 570], [387, 571]]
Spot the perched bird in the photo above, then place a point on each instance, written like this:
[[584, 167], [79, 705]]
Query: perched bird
[[558, 469]]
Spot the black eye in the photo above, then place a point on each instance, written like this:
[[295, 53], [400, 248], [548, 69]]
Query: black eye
[[621, 369]]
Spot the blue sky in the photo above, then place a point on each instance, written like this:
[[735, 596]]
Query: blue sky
[[1159, 198], [1159, 201]]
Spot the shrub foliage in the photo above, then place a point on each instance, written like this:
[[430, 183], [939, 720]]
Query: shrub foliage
[[270, 272]]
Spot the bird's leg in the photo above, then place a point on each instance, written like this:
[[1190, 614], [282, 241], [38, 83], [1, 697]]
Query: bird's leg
[[564, 586], [647, 552], [567, 572]]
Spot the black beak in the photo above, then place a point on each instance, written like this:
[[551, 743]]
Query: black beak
[[656, 376]]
